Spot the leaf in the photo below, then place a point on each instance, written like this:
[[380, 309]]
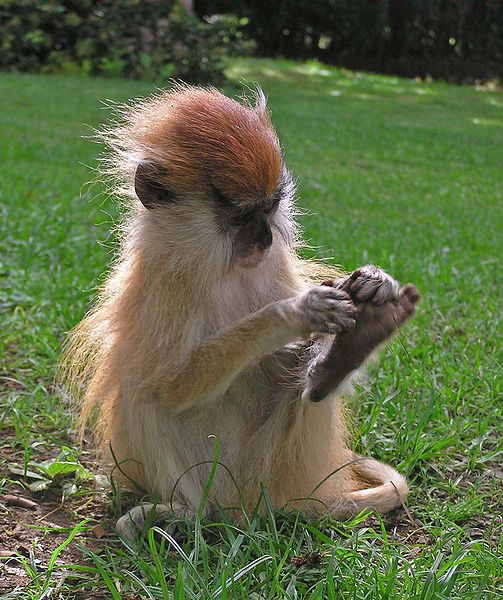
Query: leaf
[[69, 488], [40, 485], [60, 468], [17, 470], [99, 531]]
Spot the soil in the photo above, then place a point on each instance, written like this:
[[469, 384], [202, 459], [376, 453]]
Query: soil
[[33, 533]]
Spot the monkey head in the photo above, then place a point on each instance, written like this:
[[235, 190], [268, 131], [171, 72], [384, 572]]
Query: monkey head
[[209, 164]]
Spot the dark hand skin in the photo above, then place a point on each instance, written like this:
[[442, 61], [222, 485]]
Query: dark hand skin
[[376, 322]]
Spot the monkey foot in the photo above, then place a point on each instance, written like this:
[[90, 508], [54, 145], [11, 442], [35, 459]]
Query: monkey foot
[[138, 519], [371, 284]]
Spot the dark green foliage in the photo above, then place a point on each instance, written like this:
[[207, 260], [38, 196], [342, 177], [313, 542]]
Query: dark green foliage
[[444, 38], [132, 38]]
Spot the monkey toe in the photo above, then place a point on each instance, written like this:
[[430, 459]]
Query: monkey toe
[[410, 291], [406, 303]]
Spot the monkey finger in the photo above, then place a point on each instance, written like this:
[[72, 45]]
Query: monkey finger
[[341, 305], [333, 328], [335, 293], [350, 324], [334, 283], [344, 322]]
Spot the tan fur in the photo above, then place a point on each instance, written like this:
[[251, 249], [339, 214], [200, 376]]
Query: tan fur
[[181, 346]]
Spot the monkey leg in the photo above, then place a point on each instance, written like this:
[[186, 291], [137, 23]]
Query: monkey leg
[[381, 308], [138, 519]]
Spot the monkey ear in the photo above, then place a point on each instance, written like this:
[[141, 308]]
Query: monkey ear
[[148, 189]]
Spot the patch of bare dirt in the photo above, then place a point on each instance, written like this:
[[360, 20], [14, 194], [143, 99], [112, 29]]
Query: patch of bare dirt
[[32, 525]]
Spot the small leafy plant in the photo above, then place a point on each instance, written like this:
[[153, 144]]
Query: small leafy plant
[[64, 470]]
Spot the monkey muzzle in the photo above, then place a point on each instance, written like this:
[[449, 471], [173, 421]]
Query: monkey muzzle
[[253, 242], [252, 259]]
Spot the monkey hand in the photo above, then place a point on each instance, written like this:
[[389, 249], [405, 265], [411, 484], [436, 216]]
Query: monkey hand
[[368, 284], [325, 309]]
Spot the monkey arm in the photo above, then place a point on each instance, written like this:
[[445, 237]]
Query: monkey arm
[[211, 368]]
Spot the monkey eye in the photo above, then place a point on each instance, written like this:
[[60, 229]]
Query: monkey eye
[[240, 218], [221, 198], [272, 207]]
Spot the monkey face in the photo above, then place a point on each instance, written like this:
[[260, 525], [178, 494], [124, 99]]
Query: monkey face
[[249, 226], [212, 171], [245, 229]]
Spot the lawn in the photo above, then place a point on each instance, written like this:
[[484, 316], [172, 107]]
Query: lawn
[[404, 174]]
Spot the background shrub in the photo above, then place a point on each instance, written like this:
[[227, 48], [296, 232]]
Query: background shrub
[[156, 39], [133, 38], [458, 40]]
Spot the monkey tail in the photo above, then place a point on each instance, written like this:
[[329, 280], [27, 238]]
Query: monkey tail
[[385, 489]]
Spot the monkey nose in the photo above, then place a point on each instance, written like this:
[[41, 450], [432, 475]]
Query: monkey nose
[[264, 239]]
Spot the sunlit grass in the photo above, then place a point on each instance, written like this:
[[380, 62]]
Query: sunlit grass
[[402, 173]]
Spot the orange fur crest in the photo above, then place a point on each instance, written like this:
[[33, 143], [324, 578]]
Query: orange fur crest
[[199, 136]]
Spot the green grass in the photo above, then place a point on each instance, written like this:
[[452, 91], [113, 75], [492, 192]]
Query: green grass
[[402, 174]]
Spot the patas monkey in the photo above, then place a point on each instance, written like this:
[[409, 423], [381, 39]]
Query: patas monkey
[[210, 324]]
